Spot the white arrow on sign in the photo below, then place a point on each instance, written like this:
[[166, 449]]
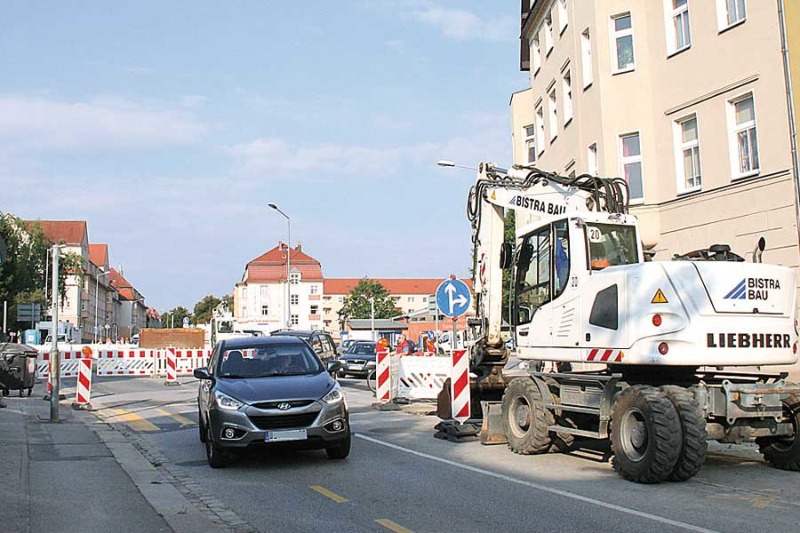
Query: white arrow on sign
[[461, 300]]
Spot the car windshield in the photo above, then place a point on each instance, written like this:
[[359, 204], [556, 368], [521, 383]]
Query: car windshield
[[362, 348], [269, 360]]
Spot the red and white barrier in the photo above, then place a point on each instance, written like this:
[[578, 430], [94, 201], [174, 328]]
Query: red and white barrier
[[421, 378], [83, 391], [69, 363], [126, 362], [459, 386], [172, 366], [383, 388]]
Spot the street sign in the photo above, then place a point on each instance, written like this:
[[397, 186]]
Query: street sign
[[29, 312], [453, 297], [186, 321]]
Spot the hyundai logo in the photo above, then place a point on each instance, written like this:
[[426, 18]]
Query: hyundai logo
[[283, 406]]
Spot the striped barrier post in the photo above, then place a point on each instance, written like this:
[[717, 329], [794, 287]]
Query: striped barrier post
[[172, 367], [83, 390], [459, 386], [383, 389]]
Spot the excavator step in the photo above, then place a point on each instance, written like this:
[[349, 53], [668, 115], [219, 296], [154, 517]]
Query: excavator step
[[574, 431], [573, 408]]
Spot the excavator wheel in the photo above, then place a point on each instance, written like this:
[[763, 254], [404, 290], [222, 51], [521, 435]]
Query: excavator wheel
[[525, 419], [645, 434], [784, 452], [693, 432]]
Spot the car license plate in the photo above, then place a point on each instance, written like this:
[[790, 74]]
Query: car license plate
[[356, 367], [290, 434]]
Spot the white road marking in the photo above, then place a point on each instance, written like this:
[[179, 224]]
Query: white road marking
[[585, 499]]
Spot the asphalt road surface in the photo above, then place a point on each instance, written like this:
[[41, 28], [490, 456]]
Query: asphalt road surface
[[399, 478]]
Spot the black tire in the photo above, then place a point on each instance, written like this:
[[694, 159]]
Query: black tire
[[341, 374], [372, 380], [30, 391], [341, 449], [201, 428], [525, 419], [694, 444], [217, 456], [645, 434], [784, 452]]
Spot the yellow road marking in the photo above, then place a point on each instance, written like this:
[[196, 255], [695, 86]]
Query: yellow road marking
[[180, 418], [133, 420], [328, 494], [397, 528]]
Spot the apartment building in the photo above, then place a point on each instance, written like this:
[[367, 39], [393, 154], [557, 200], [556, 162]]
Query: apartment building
[[688, 100], [103, 296]]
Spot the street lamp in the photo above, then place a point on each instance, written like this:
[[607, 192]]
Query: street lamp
[[288, 267], [450, 164], [96, 295]]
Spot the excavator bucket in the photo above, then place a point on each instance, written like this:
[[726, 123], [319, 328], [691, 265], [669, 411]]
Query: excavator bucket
[[492, 426]]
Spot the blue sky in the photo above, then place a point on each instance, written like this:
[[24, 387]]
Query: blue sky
[[169, 127]]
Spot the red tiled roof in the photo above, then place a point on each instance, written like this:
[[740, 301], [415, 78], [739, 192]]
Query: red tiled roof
[[271, 266], [394, 286], [71, 232], [125, 289], [98, 254]]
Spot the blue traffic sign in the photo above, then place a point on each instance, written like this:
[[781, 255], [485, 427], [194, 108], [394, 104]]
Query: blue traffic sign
[[453, 297]]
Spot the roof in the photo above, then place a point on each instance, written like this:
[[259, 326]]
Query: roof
[[271, 266], [122, 285], [394, 286], [71, 232], [98, 254]]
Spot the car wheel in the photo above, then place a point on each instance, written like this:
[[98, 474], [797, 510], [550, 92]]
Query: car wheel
[[341, 373], [216, 455], [341, 449], [201, 425]]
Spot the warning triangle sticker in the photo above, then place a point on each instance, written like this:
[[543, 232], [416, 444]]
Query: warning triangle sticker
[[493, 196], [659, 298]]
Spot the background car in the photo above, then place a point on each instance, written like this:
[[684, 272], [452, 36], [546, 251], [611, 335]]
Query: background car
[[359, 360], [321, 342], [263, 391], [342, 348]]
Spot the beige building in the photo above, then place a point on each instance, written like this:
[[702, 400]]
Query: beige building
[[686, 99]]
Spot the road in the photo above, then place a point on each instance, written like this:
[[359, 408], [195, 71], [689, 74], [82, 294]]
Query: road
[[399, 478]]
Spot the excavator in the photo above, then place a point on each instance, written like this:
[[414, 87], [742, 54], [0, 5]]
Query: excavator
[[612, 346]]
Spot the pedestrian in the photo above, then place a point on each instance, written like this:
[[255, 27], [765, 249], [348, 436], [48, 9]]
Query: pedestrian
[[403, 346]]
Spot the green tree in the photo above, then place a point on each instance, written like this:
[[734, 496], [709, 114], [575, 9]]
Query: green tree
[[357, 303], [204, 308], [510, 236], [175, 317]]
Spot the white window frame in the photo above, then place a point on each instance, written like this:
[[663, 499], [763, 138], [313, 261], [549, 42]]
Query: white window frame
[[548, 33], [294, 278], [587, 68], [244, 292], [529, 136], [294, 299], [263, 292], [539, 120], [672, 15], [536, 53], [723, 14], [630, 160], [680, 148], [592, 163], [735, 129], [295, 320], [313, 289], [562, 16], [265, 310], [566, 95], [552, 111], [615, 36]]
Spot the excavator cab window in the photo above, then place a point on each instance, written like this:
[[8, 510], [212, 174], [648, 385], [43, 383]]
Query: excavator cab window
[[611, 245]]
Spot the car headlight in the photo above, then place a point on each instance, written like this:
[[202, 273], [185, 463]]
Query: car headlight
[[334, 396], [226, 402]]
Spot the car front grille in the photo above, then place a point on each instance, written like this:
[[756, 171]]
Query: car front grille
[[284, 421], [274, 405]]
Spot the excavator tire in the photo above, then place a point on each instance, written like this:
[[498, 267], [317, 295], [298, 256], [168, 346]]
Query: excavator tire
[[645, 434], [693, 432], [784, 452], [525, 419]]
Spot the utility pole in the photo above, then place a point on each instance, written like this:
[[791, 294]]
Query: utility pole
[[372, 315], [55, 357]]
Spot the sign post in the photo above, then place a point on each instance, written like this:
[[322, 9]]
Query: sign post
[[453, 298]]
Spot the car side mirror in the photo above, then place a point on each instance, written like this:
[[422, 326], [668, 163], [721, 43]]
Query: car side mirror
[[334, 366], [523, 315], [201, 373]]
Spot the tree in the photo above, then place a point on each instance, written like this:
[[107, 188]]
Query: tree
[[204, 308], [510, 232], [357, 302], [174, 317]]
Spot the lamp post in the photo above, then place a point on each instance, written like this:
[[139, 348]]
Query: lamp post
[[288, 266], [96, 295], [450, 164]]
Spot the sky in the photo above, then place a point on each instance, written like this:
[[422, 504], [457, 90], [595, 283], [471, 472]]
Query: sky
[[169, 126]]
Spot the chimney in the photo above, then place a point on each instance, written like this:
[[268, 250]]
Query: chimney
[[299, 246]]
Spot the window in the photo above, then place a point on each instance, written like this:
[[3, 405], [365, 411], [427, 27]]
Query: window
[[295, 299], [264, 310], [295, 320], [314, 309], [744, 136], [586, 58], [566, 95], [632, 164], [730, 13], [533, 274], [678, 32], [562, 16], [294, 278], [244, 292], [314, 289], [244, 310], [553, 112], [540, 128], [536, 53], [591, 157], [341, 299], [622, 29], [264, 292], [410, 299], [688, 154], [548, 33], [530, 144]]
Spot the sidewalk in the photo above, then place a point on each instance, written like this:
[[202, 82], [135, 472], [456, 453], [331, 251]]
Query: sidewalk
[[76, 475]]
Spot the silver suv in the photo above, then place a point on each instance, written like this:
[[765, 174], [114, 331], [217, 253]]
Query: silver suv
[[264, 391]]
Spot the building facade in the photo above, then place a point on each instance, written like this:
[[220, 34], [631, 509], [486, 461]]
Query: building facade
[[687, 100]]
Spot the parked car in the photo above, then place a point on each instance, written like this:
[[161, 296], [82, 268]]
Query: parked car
[[321, 342], [266, 391], [342, 349], [359, 360]]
